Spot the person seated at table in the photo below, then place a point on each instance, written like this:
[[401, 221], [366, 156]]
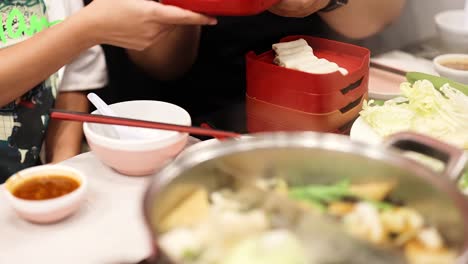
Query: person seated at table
[[35, 46], [209, 63]]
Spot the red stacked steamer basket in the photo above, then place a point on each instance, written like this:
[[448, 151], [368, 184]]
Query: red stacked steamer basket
[[281, 99], [224, 7]]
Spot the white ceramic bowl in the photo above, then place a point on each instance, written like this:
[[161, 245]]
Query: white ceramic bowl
[[450, 25], [51, 210], [455, 75], [142, 156]]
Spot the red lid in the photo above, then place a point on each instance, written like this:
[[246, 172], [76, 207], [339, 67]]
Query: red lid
[[224, 7]]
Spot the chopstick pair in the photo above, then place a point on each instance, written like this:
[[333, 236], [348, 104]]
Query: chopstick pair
[[108, 120], [387, 68]]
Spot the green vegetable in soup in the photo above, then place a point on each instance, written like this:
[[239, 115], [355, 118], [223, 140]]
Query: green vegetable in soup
[[190, 255], [463, 183], [321, 195]]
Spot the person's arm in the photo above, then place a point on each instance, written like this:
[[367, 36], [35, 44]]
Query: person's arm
[[357, 19], [363, 18], [64, 138], [133, 24], [26, 64], [172, 58]]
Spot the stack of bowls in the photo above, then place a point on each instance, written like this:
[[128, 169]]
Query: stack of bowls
[[281, 99]]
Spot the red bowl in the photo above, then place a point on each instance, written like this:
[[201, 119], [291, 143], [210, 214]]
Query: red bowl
[[278, 85], [224, 7], [265, 117]]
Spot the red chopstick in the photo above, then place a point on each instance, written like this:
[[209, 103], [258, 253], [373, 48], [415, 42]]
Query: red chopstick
[[101, 119], [207, 126]]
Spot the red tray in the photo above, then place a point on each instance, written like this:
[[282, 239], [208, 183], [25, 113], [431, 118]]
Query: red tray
[[277, 85], [266, 117], [314, 103], [224, 7]]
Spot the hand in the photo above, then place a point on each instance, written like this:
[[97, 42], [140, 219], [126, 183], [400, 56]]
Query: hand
[[298, 8], [136, 24]]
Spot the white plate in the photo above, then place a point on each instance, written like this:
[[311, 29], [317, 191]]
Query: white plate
[[361, 131], [388, 84]]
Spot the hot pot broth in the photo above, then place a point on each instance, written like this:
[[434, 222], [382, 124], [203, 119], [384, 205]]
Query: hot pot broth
[[244, 225], [398, 190]]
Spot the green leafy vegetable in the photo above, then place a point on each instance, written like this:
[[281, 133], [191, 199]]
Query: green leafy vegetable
[[431, 105], [424, 109], [319, 195]]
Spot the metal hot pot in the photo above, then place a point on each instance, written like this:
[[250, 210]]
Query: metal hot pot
[[306, 158]]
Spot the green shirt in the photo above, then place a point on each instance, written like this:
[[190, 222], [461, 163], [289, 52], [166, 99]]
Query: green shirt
[[23, 122]]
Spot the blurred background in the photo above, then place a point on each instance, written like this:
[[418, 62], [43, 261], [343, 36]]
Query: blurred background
[[413, 34], [415, 25]]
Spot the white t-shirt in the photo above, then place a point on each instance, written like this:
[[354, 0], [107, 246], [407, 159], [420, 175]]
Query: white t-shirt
[[88, 71]]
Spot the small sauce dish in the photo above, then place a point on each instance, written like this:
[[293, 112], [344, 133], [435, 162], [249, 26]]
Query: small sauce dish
[[453, 66], [46, 194]]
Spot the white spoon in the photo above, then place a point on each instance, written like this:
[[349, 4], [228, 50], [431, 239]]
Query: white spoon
[[123, 132]]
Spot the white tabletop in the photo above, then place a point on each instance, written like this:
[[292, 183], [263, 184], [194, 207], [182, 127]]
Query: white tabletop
[[108, 229]]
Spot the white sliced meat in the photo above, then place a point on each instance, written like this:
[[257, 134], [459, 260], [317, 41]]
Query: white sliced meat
[[298, 55], [343, 71], [323, 68], [295, 56], [295, 60], [300, 49], [290, 45], [314, 63]]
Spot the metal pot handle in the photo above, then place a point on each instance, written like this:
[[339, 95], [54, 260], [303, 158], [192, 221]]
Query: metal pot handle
[[453, 158]]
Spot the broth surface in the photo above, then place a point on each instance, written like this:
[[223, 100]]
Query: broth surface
[[456, 64], [45, 187]]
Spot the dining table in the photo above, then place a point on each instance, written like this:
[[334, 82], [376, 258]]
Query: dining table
[[109, 228]]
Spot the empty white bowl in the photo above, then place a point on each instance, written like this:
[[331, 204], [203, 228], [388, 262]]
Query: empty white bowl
[[454, 35], [50, 210], [141, 156], [460, 76]]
